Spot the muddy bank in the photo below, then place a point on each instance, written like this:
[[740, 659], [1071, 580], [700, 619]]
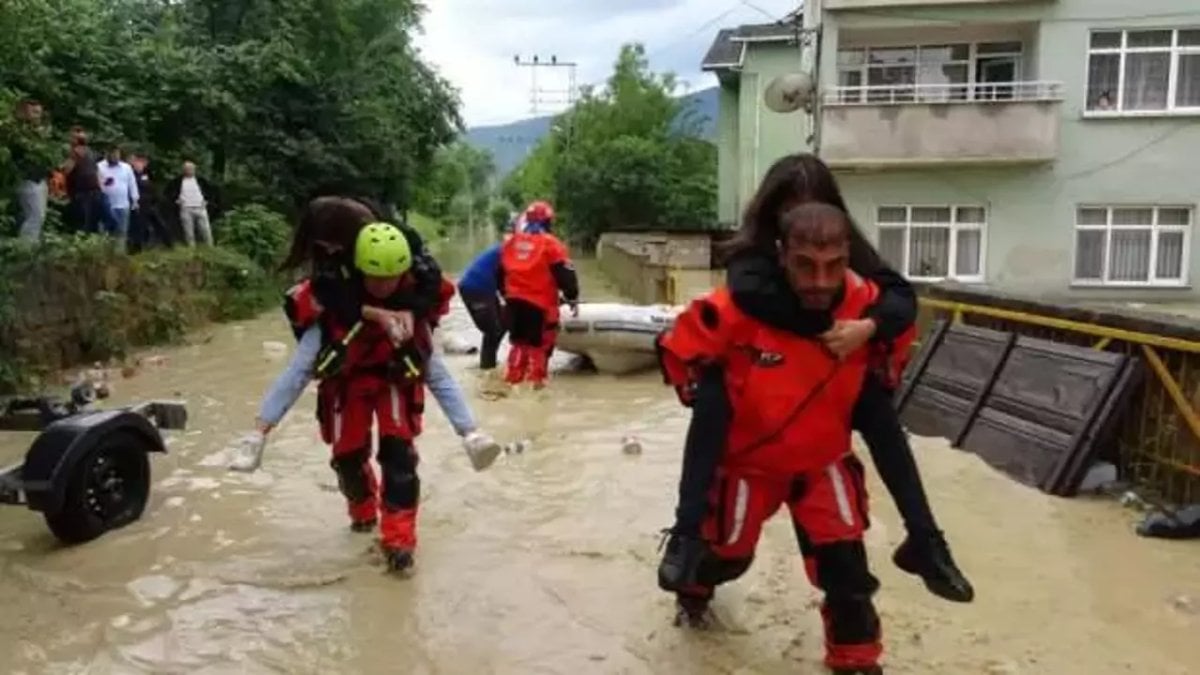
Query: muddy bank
[[545, 564]]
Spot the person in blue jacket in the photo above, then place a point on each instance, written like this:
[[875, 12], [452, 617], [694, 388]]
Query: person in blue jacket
[[480, 292]]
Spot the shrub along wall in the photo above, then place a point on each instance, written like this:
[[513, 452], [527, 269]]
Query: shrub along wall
[[73, 300]]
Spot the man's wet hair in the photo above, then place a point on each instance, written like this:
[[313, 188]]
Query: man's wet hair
[[815, 224]]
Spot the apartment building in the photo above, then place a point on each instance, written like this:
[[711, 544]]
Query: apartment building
[[1034, 145]]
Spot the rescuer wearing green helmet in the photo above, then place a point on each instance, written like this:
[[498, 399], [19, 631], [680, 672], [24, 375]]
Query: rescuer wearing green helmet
[[369, 373]]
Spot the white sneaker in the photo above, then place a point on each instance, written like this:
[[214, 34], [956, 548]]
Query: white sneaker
[[481, 449], [247, 456]]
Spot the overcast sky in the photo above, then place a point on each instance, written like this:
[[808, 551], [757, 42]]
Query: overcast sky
[[473, 43]]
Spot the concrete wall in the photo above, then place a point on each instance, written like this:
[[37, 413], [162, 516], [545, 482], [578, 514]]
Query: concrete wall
[[669, 249], [656, 268], [1144, 160]]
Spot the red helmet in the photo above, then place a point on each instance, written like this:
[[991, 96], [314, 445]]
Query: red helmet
[[539, 212]]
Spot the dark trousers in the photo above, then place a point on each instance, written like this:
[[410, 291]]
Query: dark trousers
[[146, 226], [86, 211], [488, 317], [874, 417]]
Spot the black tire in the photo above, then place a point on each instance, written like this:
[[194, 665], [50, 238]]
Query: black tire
[[106, 490]]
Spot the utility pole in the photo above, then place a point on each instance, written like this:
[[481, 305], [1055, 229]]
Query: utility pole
[[807, 22], [537, 95]]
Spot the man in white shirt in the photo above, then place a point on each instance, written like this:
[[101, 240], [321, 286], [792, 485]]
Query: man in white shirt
[[193, 207], [120, 188]]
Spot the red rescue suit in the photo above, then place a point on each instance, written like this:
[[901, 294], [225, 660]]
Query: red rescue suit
[[788, 445], [531, 286], [374, 382]]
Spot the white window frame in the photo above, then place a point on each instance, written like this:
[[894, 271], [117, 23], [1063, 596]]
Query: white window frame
[[970, 89], [1152, 280], [1175, 50], [954, 226]]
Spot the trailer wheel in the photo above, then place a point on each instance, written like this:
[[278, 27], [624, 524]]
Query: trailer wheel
[[107, 490]]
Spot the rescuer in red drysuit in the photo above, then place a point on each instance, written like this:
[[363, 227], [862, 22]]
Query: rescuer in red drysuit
[[789, 434], [366, 374], [535, 268]]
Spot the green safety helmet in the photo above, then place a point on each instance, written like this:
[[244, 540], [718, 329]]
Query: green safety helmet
[[382, 251]]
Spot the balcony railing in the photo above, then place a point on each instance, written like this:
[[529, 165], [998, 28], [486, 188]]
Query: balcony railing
[[974, 92]]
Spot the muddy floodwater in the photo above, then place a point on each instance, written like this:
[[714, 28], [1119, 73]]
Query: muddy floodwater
[[545, 563]]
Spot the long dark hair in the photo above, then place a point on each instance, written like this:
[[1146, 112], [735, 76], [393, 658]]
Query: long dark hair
[[333, 219], [791, 181]]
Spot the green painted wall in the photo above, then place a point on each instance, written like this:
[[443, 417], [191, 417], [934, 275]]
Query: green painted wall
[[1030, 236], [749, 136], [727, 152]]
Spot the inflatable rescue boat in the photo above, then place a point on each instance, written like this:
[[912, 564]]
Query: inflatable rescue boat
[[616, 338]]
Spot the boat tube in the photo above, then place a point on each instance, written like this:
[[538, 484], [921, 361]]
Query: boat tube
[[616, 338]]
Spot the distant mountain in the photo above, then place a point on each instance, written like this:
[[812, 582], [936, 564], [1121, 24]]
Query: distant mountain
[[511, 143]]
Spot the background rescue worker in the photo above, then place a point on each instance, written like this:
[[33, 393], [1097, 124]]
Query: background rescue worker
[[481, 295], [759, 287], [364, 377], [788, 441], [535, 268]]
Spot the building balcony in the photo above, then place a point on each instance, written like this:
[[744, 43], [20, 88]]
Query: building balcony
[[835, 5], [941, 124]]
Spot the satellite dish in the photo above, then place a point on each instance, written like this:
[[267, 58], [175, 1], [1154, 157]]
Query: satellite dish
[[789, 93]]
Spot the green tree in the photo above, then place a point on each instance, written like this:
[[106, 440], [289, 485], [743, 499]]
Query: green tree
[[277, 98], [457, 187], [626, 156]]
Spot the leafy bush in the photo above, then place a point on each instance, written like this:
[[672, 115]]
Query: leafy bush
[[75, 299], [256, 232]]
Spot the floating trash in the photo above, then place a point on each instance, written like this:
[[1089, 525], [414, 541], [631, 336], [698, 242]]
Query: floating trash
[[631, 445]]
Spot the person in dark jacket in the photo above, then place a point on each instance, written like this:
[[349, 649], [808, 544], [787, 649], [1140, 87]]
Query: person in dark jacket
[[760, 289], [147, 225], [86, 205]]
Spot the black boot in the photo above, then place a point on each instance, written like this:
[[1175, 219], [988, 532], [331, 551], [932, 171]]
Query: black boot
[[362, 526], [680, 562], [859, 670], [692, 611], [928, 556], [398, 560]]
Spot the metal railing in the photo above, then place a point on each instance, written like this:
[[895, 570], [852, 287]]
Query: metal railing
[[966, 92], [1159, 445]]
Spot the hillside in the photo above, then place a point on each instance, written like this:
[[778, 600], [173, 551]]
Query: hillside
[[510, 143]]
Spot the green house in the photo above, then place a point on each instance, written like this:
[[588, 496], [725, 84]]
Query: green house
[[1036, 145]]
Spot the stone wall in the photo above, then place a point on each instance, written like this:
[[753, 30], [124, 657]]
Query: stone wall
[[658, 267]]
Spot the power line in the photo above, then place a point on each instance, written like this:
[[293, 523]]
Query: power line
[[760, 10], [706, 25]]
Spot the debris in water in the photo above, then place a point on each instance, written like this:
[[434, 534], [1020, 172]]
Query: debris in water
[[1185, 604], [631, 445], [1101, 475], [457, 344], [274, 350], [1181, 524], [517, 447]]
